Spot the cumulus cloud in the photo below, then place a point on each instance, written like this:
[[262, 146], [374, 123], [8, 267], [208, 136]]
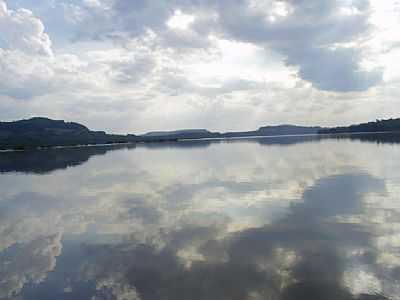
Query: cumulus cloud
[[25, 50], [341, 71], [20, 29], [207, 63], [309, 34], [21, 78]]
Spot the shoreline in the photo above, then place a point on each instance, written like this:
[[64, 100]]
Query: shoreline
[[39, 148]]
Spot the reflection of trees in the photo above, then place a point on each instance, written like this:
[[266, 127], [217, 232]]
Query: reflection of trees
[[48, 160], [378, 138], [44, 161]]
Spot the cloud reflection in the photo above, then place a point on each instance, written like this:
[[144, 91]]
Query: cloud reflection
[[301, 256], [27, 263], [46, 161], [226, 221]]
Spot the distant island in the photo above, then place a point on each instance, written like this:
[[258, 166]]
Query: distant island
[[44, 132]]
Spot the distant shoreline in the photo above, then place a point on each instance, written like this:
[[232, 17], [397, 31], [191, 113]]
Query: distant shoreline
[[33, 148], [45, 133], [323, 135]]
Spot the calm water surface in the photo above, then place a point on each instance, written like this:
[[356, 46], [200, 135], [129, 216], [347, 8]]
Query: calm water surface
[[281, 218]]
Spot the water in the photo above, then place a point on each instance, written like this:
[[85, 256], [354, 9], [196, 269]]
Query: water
[[279, 218]]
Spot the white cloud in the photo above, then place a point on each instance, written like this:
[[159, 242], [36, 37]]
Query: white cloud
[[206, 63], [21, 30], [92, 3], [180, 21]]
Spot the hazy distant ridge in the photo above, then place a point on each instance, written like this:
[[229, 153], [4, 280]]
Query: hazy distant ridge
[[44, 132]]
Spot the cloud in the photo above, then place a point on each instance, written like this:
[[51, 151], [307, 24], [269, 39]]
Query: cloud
[[21, 30], [341, 71], [127, 67], [309, 34], [206, 63], [21, 78], [25, 54]]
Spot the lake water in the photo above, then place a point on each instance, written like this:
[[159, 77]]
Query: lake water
[[298, 218]]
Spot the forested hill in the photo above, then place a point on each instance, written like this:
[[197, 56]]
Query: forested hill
[[377, 126], [44, 132]]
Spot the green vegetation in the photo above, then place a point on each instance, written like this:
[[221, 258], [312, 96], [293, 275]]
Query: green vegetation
[[377, 126], [46, 133]]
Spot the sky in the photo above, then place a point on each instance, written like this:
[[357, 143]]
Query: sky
[[142, 65]]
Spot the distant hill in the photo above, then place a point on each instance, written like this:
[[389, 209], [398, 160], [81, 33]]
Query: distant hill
[[44, 132], [40, 124], [203, 133], [377, 126], [275, 131], [180, 134], [177, 132]]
